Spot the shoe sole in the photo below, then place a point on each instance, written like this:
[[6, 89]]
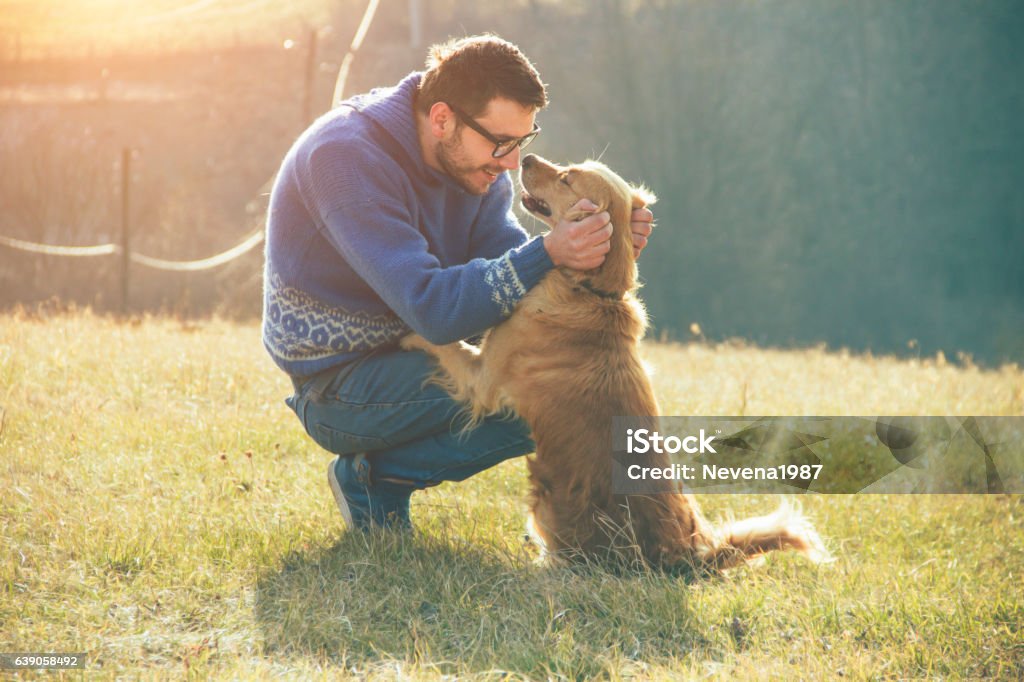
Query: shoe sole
[[339, 497]]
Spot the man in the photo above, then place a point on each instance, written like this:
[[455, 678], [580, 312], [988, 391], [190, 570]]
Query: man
[[391, 214]]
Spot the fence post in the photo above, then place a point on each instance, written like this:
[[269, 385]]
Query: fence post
[[307, 102], [126, 232], [415, 24]]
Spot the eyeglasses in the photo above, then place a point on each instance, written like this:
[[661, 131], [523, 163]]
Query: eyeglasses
[[502, 147]]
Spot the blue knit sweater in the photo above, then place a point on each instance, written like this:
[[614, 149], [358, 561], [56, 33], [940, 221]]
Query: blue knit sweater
[[365, 241]]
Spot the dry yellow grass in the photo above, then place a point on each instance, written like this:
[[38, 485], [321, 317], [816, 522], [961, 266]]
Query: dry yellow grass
[[161, 510], [734, 379]]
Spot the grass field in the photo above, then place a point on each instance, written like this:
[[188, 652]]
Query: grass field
[[162, 511]]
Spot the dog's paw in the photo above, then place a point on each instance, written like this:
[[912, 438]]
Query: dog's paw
[[415, 342]]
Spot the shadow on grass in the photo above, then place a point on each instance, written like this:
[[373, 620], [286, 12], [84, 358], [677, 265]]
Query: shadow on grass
[[456, 606]]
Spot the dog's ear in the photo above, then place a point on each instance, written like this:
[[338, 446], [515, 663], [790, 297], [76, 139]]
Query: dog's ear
[[571, 177], [642, 196]]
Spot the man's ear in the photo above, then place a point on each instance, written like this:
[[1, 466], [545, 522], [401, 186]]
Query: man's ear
[[642, 196], [441, 118]]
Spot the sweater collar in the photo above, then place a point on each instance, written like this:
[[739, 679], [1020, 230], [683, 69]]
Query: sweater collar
[[393, 110]]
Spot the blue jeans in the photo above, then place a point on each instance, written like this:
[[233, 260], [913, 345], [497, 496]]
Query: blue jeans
[[382, 404]]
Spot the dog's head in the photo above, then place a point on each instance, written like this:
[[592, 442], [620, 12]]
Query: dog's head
[[551, 191]]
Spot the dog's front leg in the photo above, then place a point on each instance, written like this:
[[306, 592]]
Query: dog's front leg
[[463, 376]]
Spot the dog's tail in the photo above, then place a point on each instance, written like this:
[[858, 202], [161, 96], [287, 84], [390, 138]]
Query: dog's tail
[[785, 528]]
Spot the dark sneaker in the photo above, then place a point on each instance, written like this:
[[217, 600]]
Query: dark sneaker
[[361, 503], [350, 480]]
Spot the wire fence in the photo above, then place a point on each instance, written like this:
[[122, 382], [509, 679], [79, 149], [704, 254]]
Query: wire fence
[[255, 237], [124, 248], [231, 254]]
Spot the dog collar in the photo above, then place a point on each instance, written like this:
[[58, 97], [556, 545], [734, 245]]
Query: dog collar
[[610, 295]]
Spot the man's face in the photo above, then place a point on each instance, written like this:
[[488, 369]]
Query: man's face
[[466, 155]]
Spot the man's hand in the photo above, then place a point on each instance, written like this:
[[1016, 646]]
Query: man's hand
[[641, 225], [580, 245]]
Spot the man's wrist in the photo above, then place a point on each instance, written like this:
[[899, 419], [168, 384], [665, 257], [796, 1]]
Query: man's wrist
[[531, 261], [547, 247]]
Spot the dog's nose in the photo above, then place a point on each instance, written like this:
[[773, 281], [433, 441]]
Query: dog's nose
[[528, 160]]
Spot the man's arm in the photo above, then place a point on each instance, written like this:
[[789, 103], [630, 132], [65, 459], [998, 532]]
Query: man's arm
[[443, 305], [447, 304]]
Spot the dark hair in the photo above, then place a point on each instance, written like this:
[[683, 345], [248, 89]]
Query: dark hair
[[470, 72]]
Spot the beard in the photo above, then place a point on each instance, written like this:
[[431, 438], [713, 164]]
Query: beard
[[467, 175]]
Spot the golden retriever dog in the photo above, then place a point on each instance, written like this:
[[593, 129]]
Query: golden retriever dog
[[567, 361]]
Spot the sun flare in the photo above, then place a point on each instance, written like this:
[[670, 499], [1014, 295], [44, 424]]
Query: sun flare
[[42, 28]]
